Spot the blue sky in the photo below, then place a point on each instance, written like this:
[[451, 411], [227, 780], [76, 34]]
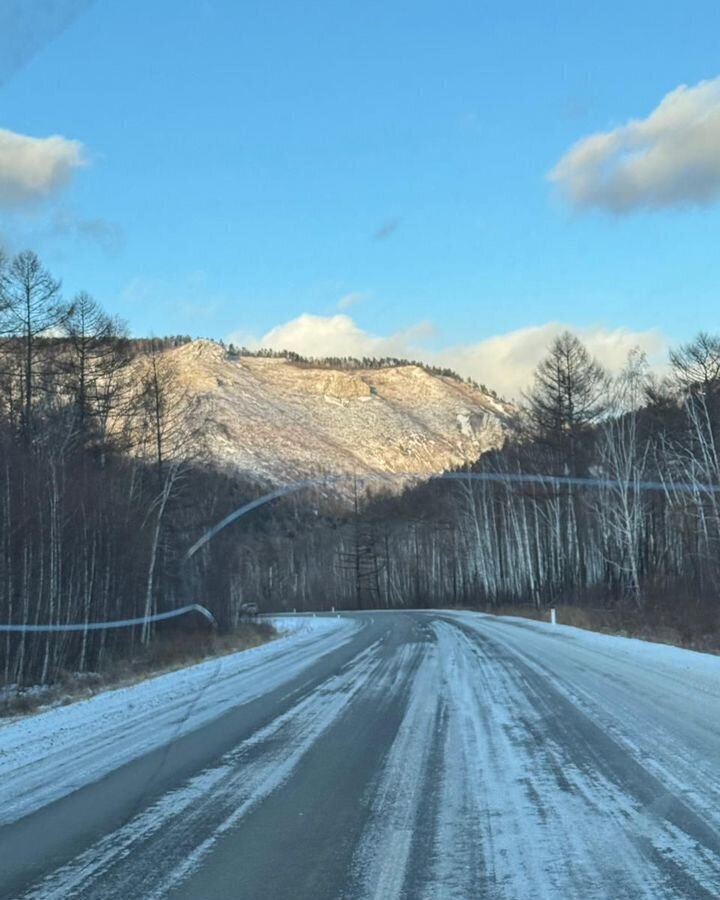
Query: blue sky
[[246, 164]]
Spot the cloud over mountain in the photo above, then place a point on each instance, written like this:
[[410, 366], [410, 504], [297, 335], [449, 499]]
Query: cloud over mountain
[[503, 362]]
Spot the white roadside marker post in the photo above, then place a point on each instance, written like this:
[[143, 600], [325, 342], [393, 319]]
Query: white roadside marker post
[[552, 616]]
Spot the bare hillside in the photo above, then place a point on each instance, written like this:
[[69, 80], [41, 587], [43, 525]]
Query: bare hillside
[[284, 421]]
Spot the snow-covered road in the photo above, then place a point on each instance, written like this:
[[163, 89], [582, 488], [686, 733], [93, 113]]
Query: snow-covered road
[[48, 756], [383, 755]]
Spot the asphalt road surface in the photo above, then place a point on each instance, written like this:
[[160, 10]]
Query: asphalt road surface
[[402, 755]]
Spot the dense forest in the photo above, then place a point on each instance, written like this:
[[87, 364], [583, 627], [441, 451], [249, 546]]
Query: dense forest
[[608, 495], [103, 485]]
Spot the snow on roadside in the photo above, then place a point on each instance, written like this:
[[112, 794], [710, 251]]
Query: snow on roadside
[[302, 624], [47, 756], [692, 667], [658, 703]]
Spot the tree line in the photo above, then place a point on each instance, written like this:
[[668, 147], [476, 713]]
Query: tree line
[[621, 507], [352, 363], [105, 484]]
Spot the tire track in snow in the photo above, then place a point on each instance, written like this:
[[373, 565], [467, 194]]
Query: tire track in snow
[[48, 756], [659, 703], [161, 846], [381, 862], [456, 757], [565, 811]]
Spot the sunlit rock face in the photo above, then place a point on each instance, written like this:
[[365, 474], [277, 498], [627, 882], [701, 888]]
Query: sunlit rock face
[[285, 421]]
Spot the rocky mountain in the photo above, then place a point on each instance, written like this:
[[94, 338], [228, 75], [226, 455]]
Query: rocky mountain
[[285, 421]]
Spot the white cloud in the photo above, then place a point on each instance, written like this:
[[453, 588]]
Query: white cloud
[[337, 335], [504, 362], [670, 158], [348, 300], [32, 168], [312, 335]]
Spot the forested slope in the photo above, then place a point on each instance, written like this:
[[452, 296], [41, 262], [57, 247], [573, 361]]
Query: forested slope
[[107, 480]]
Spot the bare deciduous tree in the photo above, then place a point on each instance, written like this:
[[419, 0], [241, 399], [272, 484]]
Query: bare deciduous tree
[[30, 308], [94, 362], [696, 365]]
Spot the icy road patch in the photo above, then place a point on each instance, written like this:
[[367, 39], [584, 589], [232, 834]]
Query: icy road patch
[[49, 755]]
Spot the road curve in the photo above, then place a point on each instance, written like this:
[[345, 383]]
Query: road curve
[[415, 755]]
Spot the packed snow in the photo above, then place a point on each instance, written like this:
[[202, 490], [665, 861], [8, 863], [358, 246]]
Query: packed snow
[[524, 760], [48, 755]]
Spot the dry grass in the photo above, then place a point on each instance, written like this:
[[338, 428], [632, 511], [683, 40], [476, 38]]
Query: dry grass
[[166, 654]]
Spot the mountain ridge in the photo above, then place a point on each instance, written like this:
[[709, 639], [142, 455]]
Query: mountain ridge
[[284, 421]]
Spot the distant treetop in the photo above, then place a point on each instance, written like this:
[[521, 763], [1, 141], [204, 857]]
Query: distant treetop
[[348, 363], [352, 362]]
